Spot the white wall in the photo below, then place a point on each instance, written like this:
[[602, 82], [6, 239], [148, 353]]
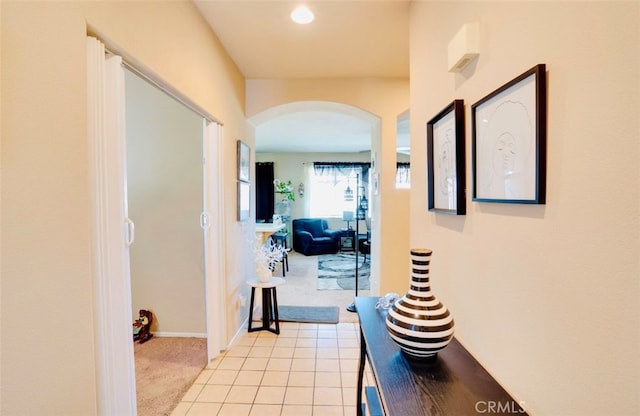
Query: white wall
[[546, 297], [48, 361], [164, 184]]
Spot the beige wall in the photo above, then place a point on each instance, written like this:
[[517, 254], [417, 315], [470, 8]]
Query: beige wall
[[546, 297], [164, 188], [385, 98], [47, 363]]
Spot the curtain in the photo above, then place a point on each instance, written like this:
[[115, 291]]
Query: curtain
[[403, 175], [343, 169], [264, 191]]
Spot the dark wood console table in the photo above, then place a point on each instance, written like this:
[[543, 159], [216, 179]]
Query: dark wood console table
[[453, 383]]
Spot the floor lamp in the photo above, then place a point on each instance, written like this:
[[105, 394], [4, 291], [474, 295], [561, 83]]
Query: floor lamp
[[361, 213]]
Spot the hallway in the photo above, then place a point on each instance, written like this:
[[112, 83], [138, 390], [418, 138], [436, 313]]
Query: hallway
[[309, 369]]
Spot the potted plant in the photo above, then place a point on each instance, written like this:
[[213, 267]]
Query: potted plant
[[285, 189]]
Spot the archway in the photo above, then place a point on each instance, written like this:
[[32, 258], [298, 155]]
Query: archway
[[344, 128]]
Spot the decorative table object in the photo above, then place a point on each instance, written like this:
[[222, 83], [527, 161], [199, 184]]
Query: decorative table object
[[269, 304], [454, 384], [418, 322], [267, 256]]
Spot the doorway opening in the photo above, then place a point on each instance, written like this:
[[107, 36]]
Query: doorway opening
[[113, 230]]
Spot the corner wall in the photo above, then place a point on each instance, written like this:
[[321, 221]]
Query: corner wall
[[48, 360], [545, 297]]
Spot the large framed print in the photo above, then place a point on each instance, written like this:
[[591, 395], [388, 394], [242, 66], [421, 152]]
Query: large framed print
[[509, 141], [244, 200], [446, 160], [244, 162]]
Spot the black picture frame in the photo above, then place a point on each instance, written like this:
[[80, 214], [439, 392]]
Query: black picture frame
[[509, 141], [244, 200], [446, 161], [244, 161]]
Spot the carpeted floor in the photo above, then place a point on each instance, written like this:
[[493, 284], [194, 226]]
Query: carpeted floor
[[165, 369], [337, 272]]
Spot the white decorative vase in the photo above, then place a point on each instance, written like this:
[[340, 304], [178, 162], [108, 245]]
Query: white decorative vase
[[263, 273], [418, 322]]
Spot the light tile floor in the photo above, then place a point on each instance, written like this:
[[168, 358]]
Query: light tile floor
[[309, 369]]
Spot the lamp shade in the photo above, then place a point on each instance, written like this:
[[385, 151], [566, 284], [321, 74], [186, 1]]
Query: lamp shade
[[347, 215]]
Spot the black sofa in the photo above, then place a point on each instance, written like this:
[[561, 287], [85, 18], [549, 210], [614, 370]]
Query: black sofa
[[312, 236]]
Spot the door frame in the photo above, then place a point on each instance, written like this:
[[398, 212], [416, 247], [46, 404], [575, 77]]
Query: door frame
[[112, 231]]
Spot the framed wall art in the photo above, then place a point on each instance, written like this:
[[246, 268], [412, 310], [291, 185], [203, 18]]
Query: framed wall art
[[446, 160], [244, 162], [509, 136], [244, 200]]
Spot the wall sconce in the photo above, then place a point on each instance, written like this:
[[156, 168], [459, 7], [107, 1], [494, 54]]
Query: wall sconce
[[301, 189]]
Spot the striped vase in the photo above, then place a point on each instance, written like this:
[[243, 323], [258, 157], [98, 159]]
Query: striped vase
[[418, 322]]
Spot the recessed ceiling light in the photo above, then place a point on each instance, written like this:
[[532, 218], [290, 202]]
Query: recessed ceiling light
[[302, 15]]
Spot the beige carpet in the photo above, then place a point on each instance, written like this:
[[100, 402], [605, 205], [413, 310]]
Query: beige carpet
[[165, 369]]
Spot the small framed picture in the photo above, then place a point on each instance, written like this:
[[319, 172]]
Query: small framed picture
[[446, 155], [509, 135], [244, 200], [244, 162]]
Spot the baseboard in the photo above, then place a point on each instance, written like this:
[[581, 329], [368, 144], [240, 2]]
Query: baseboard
[[179, 334], [241, 331]]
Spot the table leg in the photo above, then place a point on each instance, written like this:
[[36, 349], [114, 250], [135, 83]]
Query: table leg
[[266, 308], [363, 357], [253, 295], [275, 310]]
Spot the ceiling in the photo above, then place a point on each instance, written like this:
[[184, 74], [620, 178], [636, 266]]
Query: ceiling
[[347, 39]]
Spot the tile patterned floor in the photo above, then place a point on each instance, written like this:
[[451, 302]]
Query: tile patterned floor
[[307, 370]]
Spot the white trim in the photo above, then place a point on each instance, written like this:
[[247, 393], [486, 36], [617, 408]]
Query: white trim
[[240, 333], [214, 239], [179, 334], [115, 377], [143, 71]]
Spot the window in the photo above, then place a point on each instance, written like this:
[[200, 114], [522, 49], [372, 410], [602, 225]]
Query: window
[[328, 183], [403, 176]]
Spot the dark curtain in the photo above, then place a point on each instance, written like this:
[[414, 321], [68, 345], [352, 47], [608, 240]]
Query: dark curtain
[[264, 191], [403, 173]]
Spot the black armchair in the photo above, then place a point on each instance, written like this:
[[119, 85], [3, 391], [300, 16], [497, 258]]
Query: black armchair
[[312, 236]]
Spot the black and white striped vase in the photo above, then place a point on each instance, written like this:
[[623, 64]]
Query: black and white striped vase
[[418, 322]]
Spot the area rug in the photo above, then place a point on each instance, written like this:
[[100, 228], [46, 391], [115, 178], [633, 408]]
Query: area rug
[[314, 314], [337, 272]]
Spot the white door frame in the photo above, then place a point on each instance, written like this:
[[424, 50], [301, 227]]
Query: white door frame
[[112, 233], [214, 231], [115, 375]]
